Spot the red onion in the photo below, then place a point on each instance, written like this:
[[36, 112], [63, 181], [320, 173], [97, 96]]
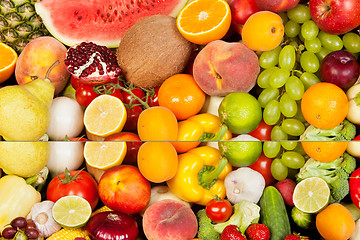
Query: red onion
[[112, 225]]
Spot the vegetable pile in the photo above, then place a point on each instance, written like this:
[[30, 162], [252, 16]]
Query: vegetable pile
[[208, 119]]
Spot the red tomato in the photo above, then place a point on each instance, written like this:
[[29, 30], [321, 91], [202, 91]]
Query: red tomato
[[129, 99], [85, 94], [133, 144], [79, 183], [218, 210], [132, 118], [262, 131], [354, 185], [153, 99], [117, 93], [263, 166]]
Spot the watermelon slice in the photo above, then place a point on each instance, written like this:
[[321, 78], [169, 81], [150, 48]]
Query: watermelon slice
[[103, 22]]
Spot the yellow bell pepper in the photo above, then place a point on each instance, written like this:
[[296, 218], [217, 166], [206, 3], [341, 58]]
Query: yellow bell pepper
[[200, 175], [198, 128], [17, 198]]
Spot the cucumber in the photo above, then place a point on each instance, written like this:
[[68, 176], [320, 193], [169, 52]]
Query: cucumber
[[273, 213]]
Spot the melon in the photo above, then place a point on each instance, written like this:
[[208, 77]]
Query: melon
[[99, 21]]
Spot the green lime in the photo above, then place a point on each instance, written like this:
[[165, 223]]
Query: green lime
[[241, 112], [71, 211], [311, 195], [302, 219], [241, 153]]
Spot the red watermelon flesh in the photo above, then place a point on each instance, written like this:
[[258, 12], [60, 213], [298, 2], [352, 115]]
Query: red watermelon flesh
[[103, 22]]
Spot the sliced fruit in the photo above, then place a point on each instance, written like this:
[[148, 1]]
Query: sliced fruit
[[71, 211], [8, 58], [104, 155], [105, 115], [311, 195], [102, 22], [203, 21]]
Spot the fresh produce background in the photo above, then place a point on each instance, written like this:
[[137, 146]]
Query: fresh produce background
[[176, 119]]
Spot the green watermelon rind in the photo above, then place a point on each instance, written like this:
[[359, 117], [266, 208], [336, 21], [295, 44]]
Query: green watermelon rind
[[47, 19]]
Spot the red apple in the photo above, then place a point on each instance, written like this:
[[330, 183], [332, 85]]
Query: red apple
[[276, 5], [340, 68], [241, 11], [335, 16], [133, 144], [124, 189]]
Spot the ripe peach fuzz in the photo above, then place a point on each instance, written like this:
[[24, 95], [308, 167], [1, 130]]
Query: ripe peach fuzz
[[224, 67], [37, 57], [169, 219]]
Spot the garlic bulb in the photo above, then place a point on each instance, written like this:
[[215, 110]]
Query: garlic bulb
[[41, 215]]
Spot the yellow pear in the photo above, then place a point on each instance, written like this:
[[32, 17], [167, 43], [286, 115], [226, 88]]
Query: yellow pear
[[24, 110], [23, 159]]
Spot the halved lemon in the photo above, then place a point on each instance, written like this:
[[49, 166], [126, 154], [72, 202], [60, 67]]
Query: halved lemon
[[71, 211], [311, 195], [203, 21], [104, 155], [8, 58], [105, 115]]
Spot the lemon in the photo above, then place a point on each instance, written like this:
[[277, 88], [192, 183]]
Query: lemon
[[105, 115], [104, 155], [311, 195], [71, 211], [241, 112]]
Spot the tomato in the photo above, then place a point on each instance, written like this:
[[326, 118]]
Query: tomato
[[117, 93], [263, 166], [153, 98], [79, 183], [218, 210], [85, 94], [132, 118], [262, 131], [129, 99], [354, 184], [133, 144]]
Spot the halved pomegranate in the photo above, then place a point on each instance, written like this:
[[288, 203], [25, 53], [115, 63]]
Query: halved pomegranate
[[92, 64]]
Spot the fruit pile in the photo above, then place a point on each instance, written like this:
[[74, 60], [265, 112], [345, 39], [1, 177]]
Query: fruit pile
[[181, 120]]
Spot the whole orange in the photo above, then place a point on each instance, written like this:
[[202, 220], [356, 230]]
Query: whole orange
[[324, 105], [181, 94], [157, 161], [324, 151], [335, 222]]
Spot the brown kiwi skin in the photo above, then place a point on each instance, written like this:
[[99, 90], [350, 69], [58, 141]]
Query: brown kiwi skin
[[153, 50]]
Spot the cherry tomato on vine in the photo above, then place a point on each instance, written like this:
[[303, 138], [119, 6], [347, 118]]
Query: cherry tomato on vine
[[153, 99], [218, 210], [263, 166], [115, 92], [262, 131], [79, 183], [85, 94], [128, 98], [133, 113]]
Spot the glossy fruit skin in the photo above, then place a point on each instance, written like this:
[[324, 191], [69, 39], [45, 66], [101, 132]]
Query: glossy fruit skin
[[262, 131], [153, 100], [133, 114], [218, 210], [75, 83], [242, 9], [129, 99], [84, 186], [335, 16], [257, 231], [263, 166], [123, 188], [354, 184], [340, 68], [84, 95]]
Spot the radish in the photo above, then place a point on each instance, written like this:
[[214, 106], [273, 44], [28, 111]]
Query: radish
[[286, 188]]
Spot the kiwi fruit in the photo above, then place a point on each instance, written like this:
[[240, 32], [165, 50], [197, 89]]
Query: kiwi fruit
[[153, 50]]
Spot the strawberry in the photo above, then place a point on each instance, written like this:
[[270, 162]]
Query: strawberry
[[292, 237], [231, 232], [257, 231]]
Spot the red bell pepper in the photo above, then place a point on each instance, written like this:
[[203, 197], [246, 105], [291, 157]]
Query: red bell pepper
[[354, 184]]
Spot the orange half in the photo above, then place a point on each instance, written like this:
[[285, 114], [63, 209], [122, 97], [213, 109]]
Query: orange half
[[203, 21], [8, 58]]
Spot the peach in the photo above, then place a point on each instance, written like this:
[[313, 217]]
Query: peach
[[224, 67], [276, 5], [37, 57], [169, 219]]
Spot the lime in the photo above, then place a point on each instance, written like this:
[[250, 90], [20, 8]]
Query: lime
[[241, 112], [311, 195], [302, 219], [241, 153], [71, 211]]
